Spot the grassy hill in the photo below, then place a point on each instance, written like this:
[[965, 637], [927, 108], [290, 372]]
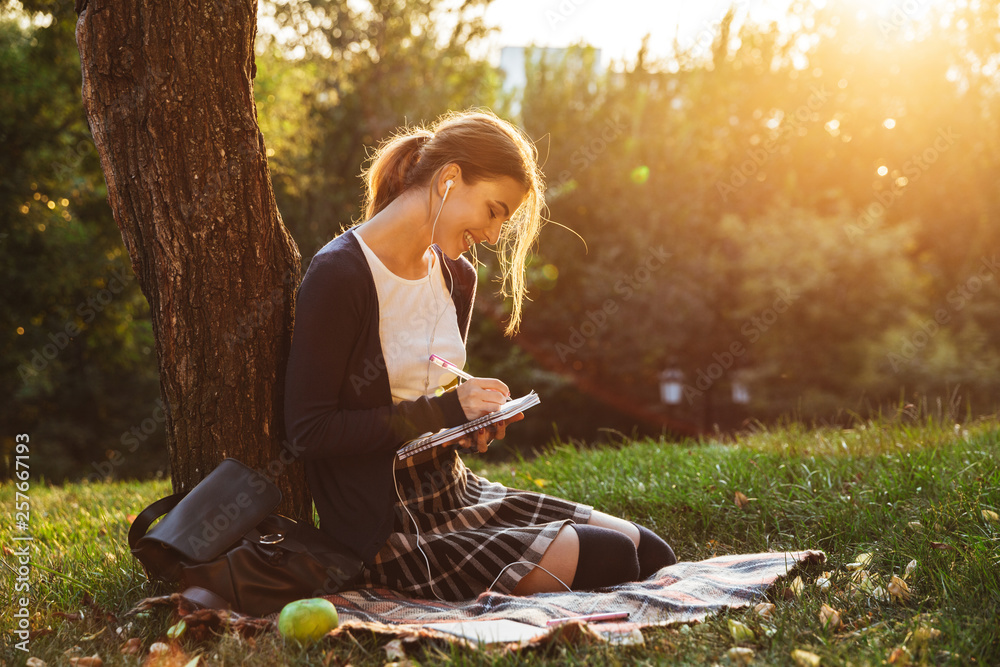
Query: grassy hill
[[906, 488]]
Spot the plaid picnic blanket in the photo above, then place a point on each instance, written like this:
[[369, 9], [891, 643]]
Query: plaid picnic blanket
[[682, 593]]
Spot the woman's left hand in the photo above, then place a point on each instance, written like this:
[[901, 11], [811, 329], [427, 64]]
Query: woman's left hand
[[480, 440]]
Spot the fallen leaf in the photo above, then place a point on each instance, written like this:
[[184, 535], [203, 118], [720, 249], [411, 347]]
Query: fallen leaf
[[823, 583], [132, 647], [991, 516], [741, 500], [924, 634], [394, 650], [158, 647], [805, 658], [942, 545], [910, 568], [177, 629], [915, 526], [865, 559], [898, 589], [541, 482], [740, 632], [797, 586], [92, 661], [130, 518], [740, 655], [33, 661], [829, 617], [764, 609], [899, 656]]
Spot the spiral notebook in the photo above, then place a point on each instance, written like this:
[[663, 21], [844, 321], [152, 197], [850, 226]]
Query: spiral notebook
[[428, 440]]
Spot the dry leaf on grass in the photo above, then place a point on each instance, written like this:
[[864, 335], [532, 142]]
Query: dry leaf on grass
[[740, 655], [132, 647], [394, 650], [805, 658], [898, 589], [740, 632], [741, 500], [899, 656], [158, 648], [764, 609], [829, 617]]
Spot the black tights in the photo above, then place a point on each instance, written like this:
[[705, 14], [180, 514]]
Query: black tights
[[608, 557]]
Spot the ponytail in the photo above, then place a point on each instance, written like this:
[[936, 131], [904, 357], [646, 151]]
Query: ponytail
[[387, 177]]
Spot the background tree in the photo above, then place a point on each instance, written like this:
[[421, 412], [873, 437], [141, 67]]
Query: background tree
[[168, 91]]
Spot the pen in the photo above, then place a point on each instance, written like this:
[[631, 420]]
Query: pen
[[606, 616], [452, 368], [448, 366]]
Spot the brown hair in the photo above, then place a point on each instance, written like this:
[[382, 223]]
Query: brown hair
[[485, 147]]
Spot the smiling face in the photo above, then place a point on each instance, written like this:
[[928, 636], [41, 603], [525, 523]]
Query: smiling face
[[474, 213]]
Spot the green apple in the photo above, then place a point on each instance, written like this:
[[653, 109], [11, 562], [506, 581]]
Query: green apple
[[307, 621]]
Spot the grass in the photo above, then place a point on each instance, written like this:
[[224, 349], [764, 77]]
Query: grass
[[902, 489]]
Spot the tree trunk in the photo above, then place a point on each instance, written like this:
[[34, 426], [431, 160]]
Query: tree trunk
[[168, 91]]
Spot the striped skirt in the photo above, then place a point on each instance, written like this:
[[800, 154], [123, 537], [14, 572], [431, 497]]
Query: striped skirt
[[470, 529]]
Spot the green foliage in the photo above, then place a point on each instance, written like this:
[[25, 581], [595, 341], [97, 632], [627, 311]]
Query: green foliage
[[830, 161], [77, 367]]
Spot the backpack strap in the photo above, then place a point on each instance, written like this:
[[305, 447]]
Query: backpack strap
[[151, 514]]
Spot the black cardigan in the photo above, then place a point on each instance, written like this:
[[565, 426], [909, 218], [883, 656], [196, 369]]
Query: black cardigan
[[339, 415]]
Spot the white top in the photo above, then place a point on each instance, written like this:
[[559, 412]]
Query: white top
[[417, 318]]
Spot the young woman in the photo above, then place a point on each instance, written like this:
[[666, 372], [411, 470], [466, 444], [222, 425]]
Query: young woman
[[375, 303]]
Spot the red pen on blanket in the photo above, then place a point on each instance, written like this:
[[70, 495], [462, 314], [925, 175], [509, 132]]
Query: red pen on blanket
[[591, 618]]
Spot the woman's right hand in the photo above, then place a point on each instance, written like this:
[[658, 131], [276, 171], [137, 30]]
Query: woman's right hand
[[481, 396]]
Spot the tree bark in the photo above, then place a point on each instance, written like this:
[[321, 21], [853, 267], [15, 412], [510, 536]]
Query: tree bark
[[168, 92]]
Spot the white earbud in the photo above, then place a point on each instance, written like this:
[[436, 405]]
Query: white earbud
[[447, 188]]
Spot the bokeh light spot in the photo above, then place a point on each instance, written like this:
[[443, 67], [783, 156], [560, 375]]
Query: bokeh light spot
[[640, 175]]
